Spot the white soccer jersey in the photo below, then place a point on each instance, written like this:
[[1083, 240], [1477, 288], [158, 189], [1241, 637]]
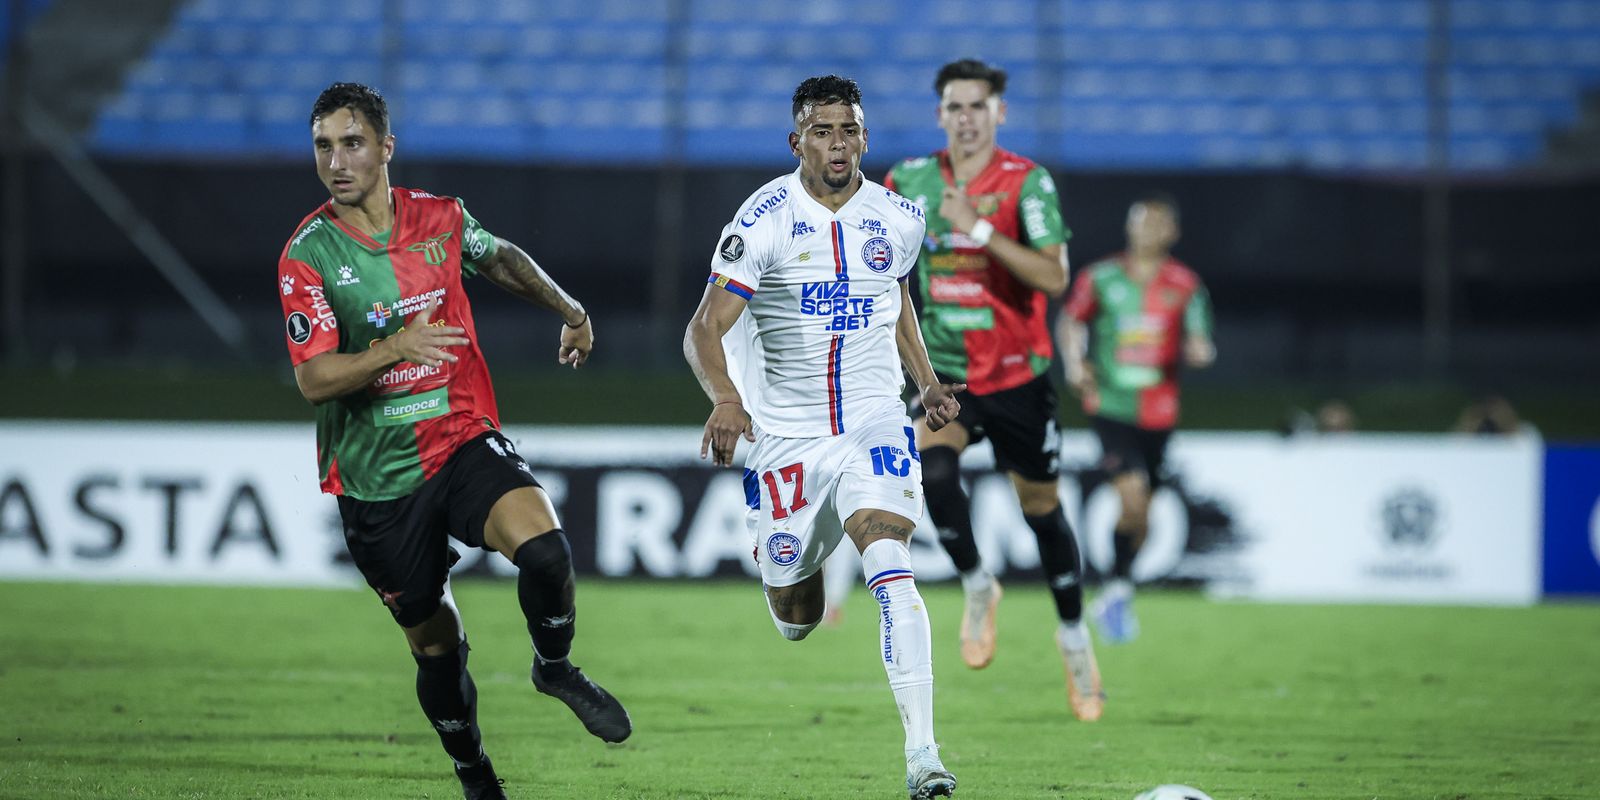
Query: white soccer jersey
[[814, 353]]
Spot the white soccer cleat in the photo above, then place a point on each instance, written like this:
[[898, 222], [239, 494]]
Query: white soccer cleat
[[926, 776]]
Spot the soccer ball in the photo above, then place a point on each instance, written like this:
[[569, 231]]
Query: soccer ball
[[1172, 791]]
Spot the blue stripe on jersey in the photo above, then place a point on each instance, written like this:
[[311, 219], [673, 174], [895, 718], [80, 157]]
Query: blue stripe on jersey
[[841, 266], [836, 385]]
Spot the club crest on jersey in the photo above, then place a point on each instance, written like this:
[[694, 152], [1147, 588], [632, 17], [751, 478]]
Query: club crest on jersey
[[783, 549], [732, 248], [299, 327], [877, 254], [432, 250], [379, 315]]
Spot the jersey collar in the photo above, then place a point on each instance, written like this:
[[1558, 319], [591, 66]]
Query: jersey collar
[[947, 171], [799, 188], [397, 195]]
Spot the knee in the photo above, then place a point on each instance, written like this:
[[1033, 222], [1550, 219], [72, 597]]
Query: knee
[[1038, 499], [547, 556], [794, 614], [1135, 496]]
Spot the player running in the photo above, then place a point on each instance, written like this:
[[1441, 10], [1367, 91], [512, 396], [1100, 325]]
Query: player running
[[382, 341], [1131, 320], [808, 295], [994, 257]]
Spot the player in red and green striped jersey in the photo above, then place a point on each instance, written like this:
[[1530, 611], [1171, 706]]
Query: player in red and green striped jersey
[[383, 344], [994, 257], [1131, 321]]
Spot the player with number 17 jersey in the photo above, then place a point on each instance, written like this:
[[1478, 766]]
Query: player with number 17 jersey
[[814, 353]]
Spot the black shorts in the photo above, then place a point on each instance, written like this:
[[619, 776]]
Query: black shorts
[[402, 546], [1020, 424], [1128, 448]]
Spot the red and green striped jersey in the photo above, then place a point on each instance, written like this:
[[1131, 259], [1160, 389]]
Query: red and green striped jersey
[[344, 292], [982, 325], [1136, 334]]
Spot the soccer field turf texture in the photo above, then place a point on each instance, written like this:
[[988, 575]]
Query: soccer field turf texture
[[114, 691]]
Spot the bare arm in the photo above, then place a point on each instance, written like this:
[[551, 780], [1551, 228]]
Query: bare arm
[[702, 347], [938, 399], [329, 375], [1072, 337], [514, 270], [1043, 270], [1198, 351]]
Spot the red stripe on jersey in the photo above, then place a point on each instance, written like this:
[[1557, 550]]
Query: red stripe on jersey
[[469, 390]]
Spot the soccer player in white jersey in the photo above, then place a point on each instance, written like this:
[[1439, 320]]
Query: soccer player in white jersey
[[799, 341]]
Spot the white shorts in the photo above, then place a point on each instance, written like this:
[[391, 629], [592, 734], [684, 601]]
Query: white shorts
[[801, 491]]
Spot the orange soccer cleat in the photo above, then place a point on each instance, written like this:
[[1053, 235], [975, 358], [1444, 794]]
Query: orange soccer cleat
[[1088, 700], [977, 625]]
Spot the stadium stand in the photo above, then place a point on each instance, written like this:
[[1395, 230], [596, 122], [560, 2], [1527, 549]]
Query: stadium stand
[[1320, 84]]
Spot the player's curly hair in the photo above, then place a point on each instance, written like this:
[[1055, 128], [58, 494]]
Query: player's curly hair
[[825, 90], [971, 69], [356, 97]]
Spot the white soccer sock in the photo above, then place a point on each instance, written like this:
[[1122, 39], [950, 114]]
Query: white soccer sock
[[1119, 587], [904, 637], [790, 630], [977, 579], [1073, 635]]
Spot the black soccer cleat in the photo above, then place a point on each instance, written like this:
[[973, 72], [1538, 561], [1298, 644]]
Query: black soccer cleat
[[480, 783], [599, 712]]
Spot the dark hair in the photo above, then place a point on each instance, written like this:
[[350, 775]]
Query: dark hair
[[971, 69], [825, 90], [355, 97], [1158, 198]]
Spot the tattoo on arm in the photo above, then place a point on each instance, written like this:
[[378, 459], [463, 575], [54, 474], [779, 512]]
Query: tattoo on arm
[[515, 271]]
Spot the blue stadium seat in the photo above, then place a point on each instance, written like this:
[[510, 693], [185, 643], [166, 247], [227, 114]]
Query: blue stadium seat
[[1324, 84]]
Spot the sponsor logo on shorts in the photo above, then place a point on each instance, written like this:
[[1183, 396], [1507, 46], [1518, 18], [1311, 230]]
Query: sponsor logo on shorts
[[783, 549]]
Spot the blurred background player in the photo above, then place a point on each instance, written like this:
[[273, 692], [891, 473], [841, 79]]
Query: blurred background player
[[808, 294], [381, 336], [994, 257], [1132, 322]]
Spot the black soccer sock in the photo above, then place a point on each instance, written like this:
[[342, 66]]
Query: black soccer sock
[[948, 506], [545, 590], [450, 699], [1123, 551], [1058, 555]]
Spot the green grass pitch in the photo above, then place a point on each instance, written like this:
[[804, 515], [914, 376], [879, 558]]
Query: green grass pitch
[[123, 691]]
